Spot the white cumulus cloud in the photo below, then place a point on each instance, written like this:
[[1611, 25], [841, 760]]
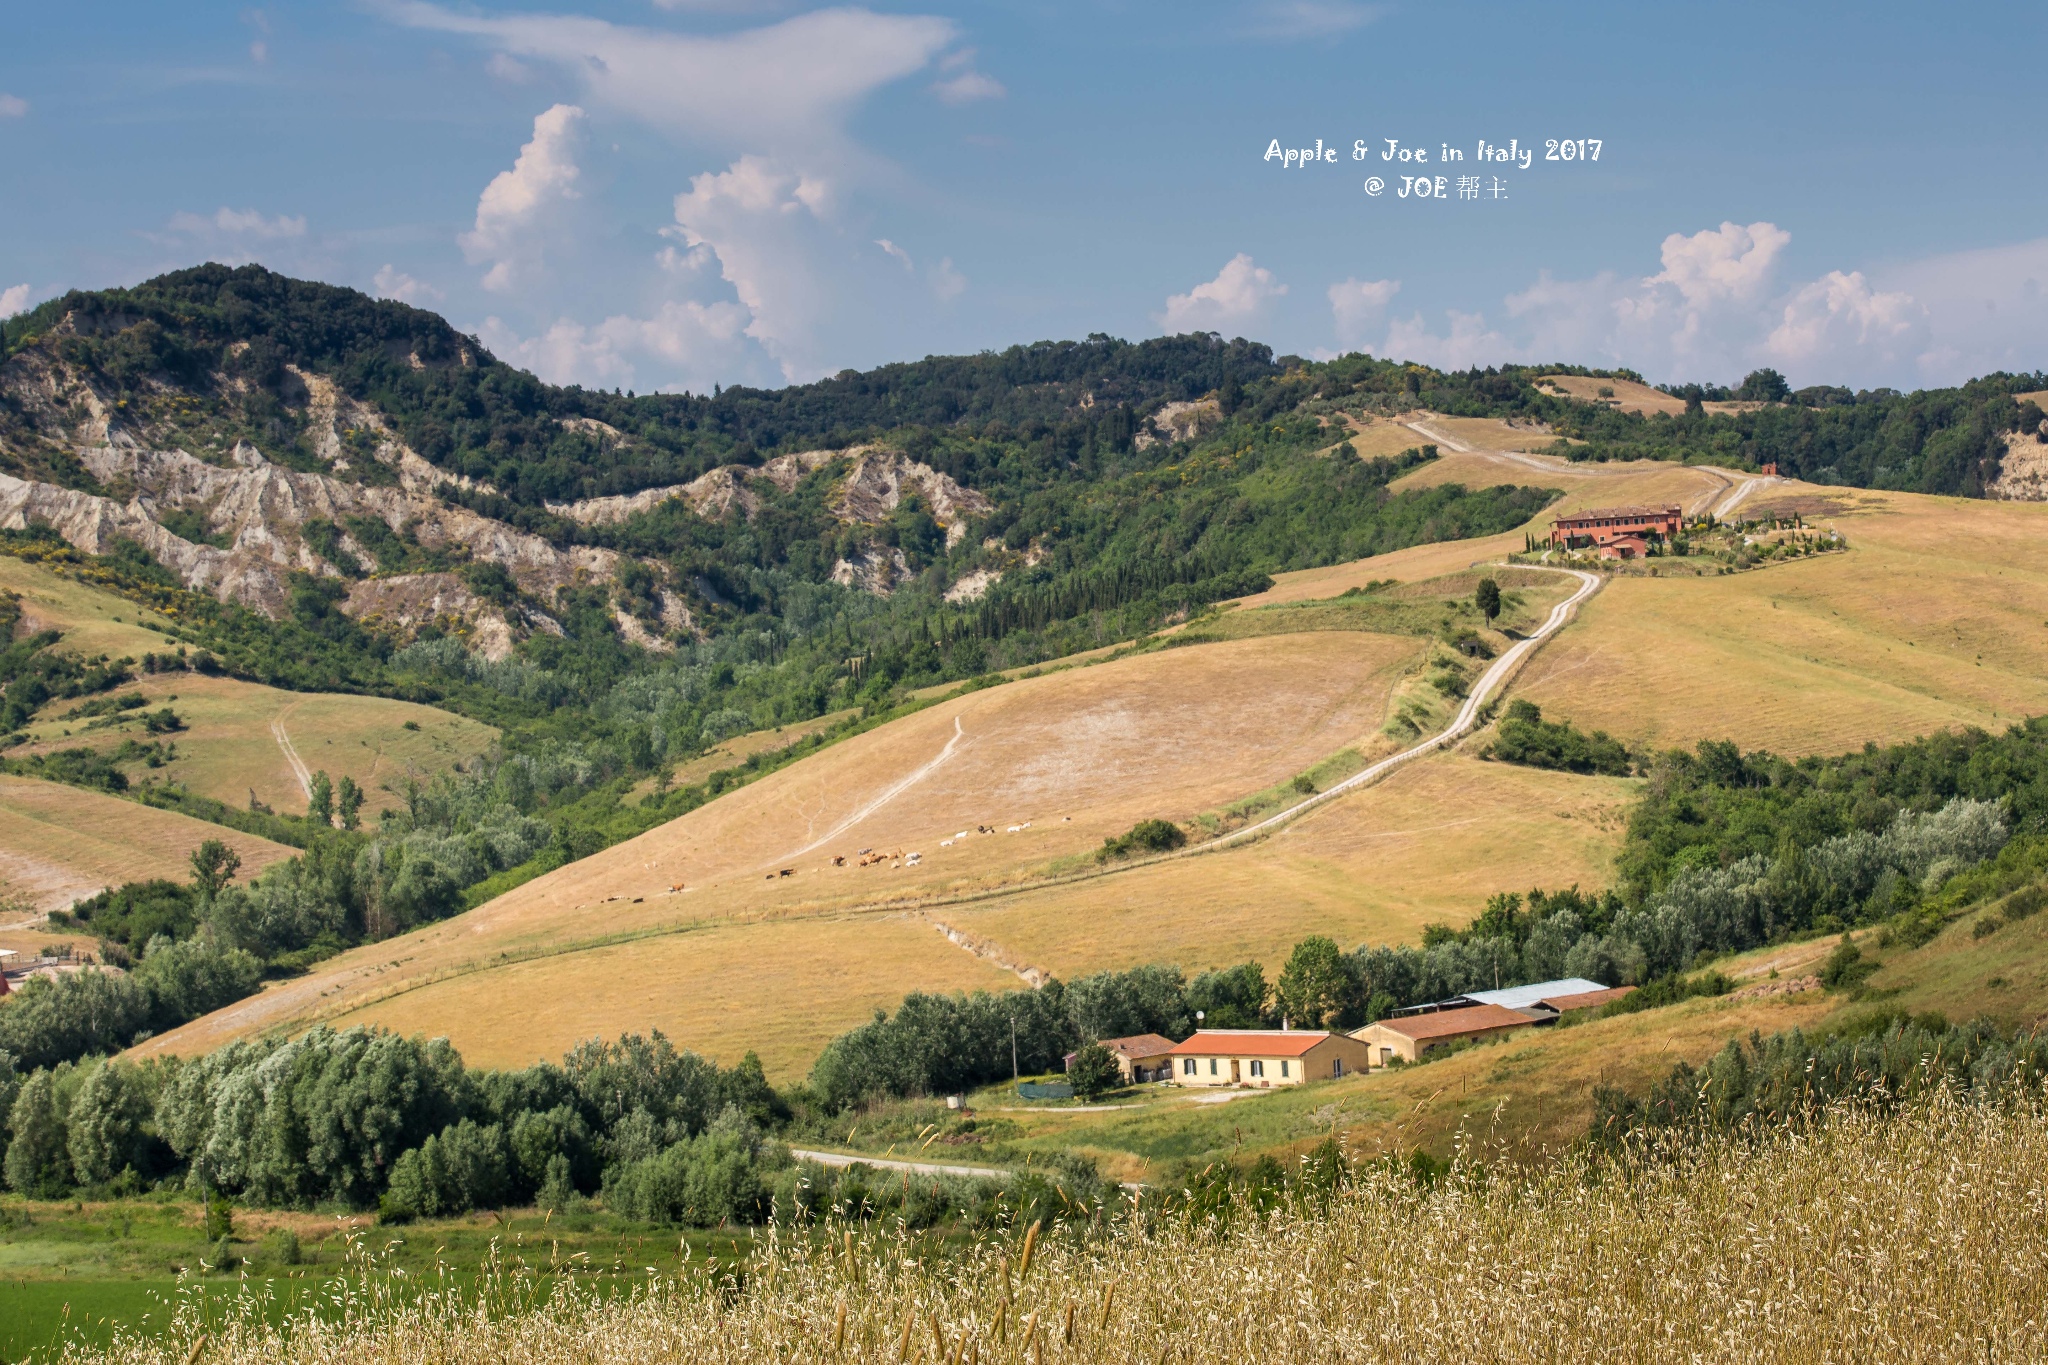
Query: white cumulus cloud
[[760, 219], [1235, 297], [392, 283], [1717, 309], [1359, 306], [690, 344], [14, 299], [517, 208], [1731, 263]]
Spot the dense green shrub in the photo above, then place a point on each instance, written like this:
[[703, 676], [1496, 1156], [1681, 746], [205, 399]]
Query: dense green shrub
[[1526, 738]]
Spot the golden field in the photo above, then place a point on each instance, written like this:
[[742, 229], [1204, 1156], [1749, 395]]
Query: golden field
[[1077, 755], [230, 748], [59, 843], [1933, 617]]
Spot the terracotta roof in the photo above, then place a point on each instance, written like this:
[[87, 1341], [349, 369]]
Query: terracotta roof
[[1250, 1042], [1584, 1000], [1634, 513], [1454, 1023], [1139, 1046]]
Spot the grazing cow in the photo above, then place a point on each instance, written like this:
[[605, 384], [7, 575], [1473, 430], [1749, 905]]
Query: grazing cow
[[787, 872], [675, 888], [839, 860]]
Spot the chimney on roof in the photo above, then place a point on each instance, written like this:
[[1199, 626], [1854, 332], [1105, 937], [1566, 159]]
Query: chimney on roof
[[1284, 1024]]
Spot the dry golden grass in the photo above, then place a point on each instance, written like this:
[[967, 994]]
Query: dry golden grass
[[1078, 755], [229, 750], [2039, 398], [1630, 396], [60, 843], [1430, 843], [1914, 1237], [782, 989], [1937, 616]]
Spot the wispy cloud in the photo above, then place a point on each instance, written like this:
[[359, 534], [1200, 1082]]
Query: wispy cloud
[[1293, 20], [12, 106], [786, 84], [245, 224]]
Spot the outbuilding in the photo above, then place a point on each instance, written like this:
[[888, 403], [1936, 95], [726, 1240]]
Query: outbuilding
[[1409, 1037], [1140, 1058], [1262, 1058]]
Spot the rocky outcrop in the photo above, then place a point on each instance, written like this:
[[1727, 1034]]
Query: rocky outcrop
[[2023, 473], [1180, 422], [880, 479], [263, 507], [403, 603], [710, 496], [876, 569], [93, 524]]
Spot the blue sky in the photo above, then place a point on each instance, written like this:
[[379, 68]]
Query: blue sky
[[675, 193]]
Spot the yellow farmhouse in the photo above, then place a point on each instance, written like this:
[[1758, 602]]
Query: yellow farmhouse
[[1266, 1057]]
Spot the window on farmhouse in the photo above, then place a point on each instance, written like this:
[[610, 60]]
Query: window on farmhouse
[[1283, 1068], [1258, 1068], [1187, 1066], [1212, 1066]]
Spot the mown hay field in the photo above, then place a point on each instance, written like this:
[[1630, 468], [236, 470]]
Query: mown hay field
[[1936, 617], [1428, 844], [1076, 756], [1909, 1237], [59, 844]]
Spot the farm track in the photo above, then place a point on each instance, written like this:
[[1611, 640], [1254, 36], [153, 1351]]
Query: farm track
[[1734, 489], [298, 765], [1495, 677]]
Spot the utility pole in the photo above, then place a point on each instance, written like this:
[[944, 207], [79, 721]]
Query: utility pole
[[1014, 1073]]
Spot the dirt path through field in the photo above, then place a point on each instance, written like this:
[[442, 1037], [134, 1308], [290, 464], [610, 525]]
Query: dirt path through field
[[916, 776], [291, 755]]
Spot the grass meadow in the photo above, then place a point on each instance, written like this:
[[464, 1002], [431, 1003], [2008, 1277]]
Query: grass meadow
[[228, 749]]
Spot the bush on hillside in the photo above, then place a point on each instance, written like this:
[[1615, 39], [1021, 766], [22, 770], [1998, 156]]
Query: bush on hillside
[[1147, 836]]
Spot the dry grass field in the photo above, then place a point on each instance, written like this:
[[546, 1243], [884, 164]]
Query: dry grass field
[[1630, 396], [230, 749], [59, 844], [1076, 756], [778, 988], [1430, 843], [1937, 616]]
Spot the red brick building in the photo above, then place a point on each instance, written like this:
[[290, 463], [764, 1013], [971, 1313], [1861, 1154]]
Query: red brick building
[[1598, 525]]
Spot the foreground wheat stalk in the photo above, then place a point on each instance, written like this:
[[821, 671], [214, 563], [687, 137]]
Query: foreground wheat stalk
[[1920, 1236]]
